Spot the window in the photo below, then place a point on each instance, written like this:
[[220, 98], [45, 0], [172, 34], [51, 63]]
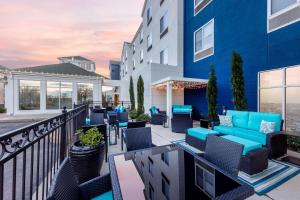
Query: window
[[200, 5], [149, 41], [133, 63], [141, 36], [164, 57], [204, 41], [278, 5], [149, 15], [141, 56], [52, 100], [163, 25], [165, 186], [29, 95], [282, 13], [126, 55], [150, 165], [165, 158], [59, 95], [278, 93], [84, 92], [133, 47], [126, 68], [151, 192]]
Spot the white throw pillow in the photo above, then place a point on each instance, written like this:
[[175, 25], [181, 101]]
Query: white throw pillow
[[225, 120], [267, 127]]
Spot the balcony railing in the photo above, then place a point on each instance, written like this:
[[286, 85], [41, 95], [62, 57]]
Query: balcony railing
[[30, 156]]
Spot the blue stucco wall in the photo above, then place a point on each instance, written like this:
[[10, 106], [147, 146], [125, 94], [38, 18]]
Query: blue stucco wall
[[241, 26]]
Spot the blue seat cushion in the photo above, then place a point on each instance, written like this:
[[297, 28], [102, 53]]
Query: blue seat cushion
[[225, 129], [201, 133], [182, 108], [239, 118], [123, 124], [105, 196], [255, 119], [248, 144], [251, 135]]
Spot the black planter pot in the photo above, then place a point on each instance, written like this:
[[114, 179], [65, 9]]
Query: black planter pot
[[87, 161]]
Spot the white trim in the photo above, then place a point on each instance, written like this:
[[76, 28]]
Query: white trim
[[213, 40], [195, 6], [271, 16]]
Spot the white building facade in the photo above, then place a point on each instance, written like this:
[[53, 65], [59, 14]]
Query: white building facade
[[156, 52], [79, 61]]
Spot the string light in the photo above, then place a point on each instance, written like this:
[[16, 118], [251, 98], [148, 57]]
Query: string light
[[180, 85]]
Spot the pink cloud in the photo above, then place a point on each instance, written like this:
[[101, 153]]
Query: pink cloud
[[35, 32]]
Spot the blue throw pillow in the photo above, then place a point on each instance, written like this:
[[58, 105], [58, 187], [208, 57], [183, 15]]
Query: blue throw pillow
[[154, 110]]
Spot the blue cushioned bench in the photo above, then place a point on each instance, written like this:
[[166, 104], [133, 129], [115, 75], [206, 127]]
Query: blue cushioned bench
[[201, 135], [248, 144]]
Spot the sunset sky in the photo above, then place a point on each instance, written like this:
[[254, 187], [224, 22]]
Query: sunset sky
[[36, 32]]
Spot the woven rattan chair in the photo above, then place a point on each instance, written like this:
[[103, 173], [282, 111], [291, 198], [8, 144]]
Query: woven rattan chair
[[224, 153], [65, 187], [138, 138], [129, 126], [97, 118]]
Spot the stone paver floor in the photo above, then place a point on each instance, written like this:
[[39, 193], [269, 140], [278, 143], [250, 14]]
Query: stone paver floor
[[163, 136]]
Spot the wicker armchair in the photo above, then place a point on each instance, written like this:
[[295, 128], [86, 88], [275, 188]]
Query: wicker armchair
[[138, 138], [65, 187], [158, 118], [130, 125], [181, 122], [97, 118], [227, 155]]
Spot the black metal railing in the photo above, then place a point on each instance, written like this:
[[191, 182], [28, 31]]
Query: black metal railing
[[29, 157]]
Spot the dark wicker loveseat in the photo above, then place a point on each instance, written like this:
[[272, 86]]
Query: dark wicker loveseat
[[158, 118]]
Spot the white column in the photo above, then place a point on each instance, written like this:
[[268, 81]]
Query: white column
[[43, 93], [169, 101], [9, 96], [74, 93]]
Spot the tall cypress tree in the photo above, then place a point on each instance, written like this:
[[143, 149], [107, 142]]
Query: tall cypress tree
[[212, 94], [131, 93], [237, 82], [140, 95]]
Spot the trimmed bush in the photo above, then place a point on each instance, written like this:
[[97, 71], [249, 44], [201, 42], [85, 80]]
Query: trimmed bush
[[212, 94], [238, 83], [140, 95]]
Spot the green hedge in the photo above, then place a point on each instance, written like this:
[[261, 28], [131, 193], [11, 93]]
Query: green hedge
[[294, 143]]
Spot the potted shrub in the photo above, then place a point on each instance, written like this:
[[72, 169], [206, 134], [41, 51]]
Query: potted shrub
[[143, 117], [87, 154]]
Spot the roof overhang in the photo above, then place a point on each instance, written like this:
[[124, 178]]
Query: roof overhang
[[180, 83]]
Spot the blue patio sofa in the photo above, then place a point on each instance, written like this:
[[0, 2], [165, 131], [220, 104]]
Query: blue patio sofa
[[246, 125], [181, 118]]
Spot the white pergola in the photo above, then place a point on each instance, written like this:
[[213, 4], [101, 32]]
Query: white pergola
[[173, 83]]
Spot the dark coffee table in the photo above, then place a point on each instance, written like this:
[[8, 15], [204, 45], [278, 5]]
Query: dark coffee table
[[288, 158], [169, 172]]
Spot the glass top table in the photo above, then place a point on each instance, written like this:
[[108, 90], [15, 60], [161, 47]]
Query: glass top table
[[171, 173]]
